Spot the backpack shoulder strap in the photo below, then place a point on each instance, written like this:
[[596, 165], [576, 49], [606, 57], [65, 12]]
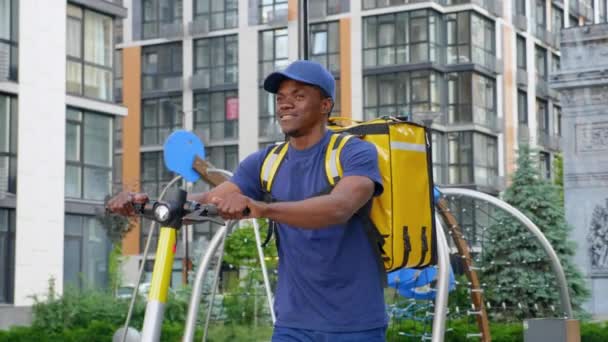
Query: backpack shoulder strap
[[333, 166], [271, 164]]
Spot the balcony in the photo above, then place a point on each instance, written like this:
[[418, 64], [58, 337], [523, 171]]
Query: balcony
[[523, 134], [167, 30], [492, 6], [548, 141], [487, 60], [520, 21], [198, 26], [541, 33], [467, 114], [320, 9], [274, 17], [152, 84], [522, 78]]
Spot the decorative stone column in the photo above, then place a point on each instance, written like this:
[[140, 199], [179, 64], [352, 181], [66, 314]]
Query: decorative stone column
[[583, 86]]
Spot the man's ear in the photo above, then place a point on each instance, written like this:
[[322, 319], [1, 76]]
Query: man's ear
[[326, 105]]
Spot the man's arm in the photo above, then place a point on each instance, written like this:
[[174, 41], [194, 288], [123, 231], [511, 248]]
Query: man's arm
[[350, 194], [220, 191]]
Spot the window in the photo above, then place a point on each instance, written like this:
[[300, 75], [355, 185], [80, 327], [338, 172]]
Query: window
[[542, 116], [540, 14], [522, 108], [216, 61], [520, 7], [521, 53], [460, 158], [458, 33], [401, 38], [470, 39], [273, 53], [86, 250], [555, 63], [7, 255], [159, 15], [471, 99], [602, 10], [273, 56], [9, 36], [544, 165], [573, 20], [322, 8], [216, 116], [118, 76], [162, 68], [325, 45], [154, 175], [272, 10], [160, 117], [89, 153], [401, 94], [89, 53], [557, 121], [541, 63], [8, 144], [212, 15], [557, 22], [472, 159], [482, 38]]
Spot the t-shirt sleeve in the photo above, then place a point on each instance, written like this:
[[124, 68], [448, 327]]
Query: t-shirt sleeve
[[360, 158], [247, 175]]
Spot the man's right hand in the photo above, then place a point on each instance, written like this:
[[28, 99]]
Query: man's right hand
[[122, 203]]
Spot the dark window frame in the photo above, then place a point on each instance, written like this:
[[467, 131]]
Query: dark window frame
[[267, 116], [171, 52], [543, 72], [163, 106], [12, 42], [458, 112], [8, 255], [404, 105], [430, 46], [542, 119], [519, 10], [520, 42], [275, 6], [204, 120], [205, 15], [11, 153], [84, 63], [522, 116], [159, 19], [325, 58], [214, 64], [83, 239], [80, 163]]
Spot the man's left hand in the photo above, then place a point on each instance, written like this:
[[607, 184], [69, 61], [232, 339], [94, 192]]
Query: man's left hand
[[233, 207]]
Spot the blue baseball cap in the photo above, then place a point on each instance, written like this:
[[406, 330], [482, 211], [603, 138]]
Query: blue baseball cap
[[304, 71]]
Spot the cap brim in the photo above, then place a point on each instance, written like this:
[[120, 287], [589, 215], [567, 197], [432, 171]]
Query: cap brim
[[273, 81]]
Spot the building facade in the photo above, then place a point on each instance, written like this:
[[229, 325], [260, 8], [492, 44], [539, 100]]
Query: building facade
[[57, 114]]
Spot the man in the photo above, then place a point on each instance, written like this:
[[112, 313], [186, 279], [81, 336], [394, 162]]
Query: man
[[329, 284]]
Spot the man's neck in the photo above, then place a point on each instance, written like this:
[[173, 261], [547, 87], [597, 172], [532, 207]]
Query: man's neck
[[314, 136]]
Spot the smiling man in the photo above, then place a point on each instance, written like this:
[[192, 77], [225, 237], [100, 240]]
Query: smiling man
[[329, 280]]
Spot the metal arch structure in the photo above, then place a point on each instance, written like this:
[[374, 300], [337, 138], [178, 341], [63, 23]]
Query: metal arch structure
[[565, 302]]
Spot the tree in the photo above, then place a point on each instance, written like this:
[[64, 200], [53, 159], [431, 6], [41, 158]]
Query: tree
[[519, 273], [559, 175]]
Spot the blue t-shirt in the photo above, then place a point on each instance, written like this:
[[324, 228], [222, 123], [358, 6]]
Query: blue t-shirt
[[328, 279]]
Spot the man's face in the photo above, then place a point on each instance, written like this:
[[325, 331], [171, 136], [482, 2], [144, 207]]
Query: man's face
[[300, 107]]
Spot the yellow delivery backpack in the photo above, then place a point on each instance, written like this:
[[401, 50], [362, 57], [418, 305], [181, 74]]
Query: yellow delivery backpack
[[404, 214]]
